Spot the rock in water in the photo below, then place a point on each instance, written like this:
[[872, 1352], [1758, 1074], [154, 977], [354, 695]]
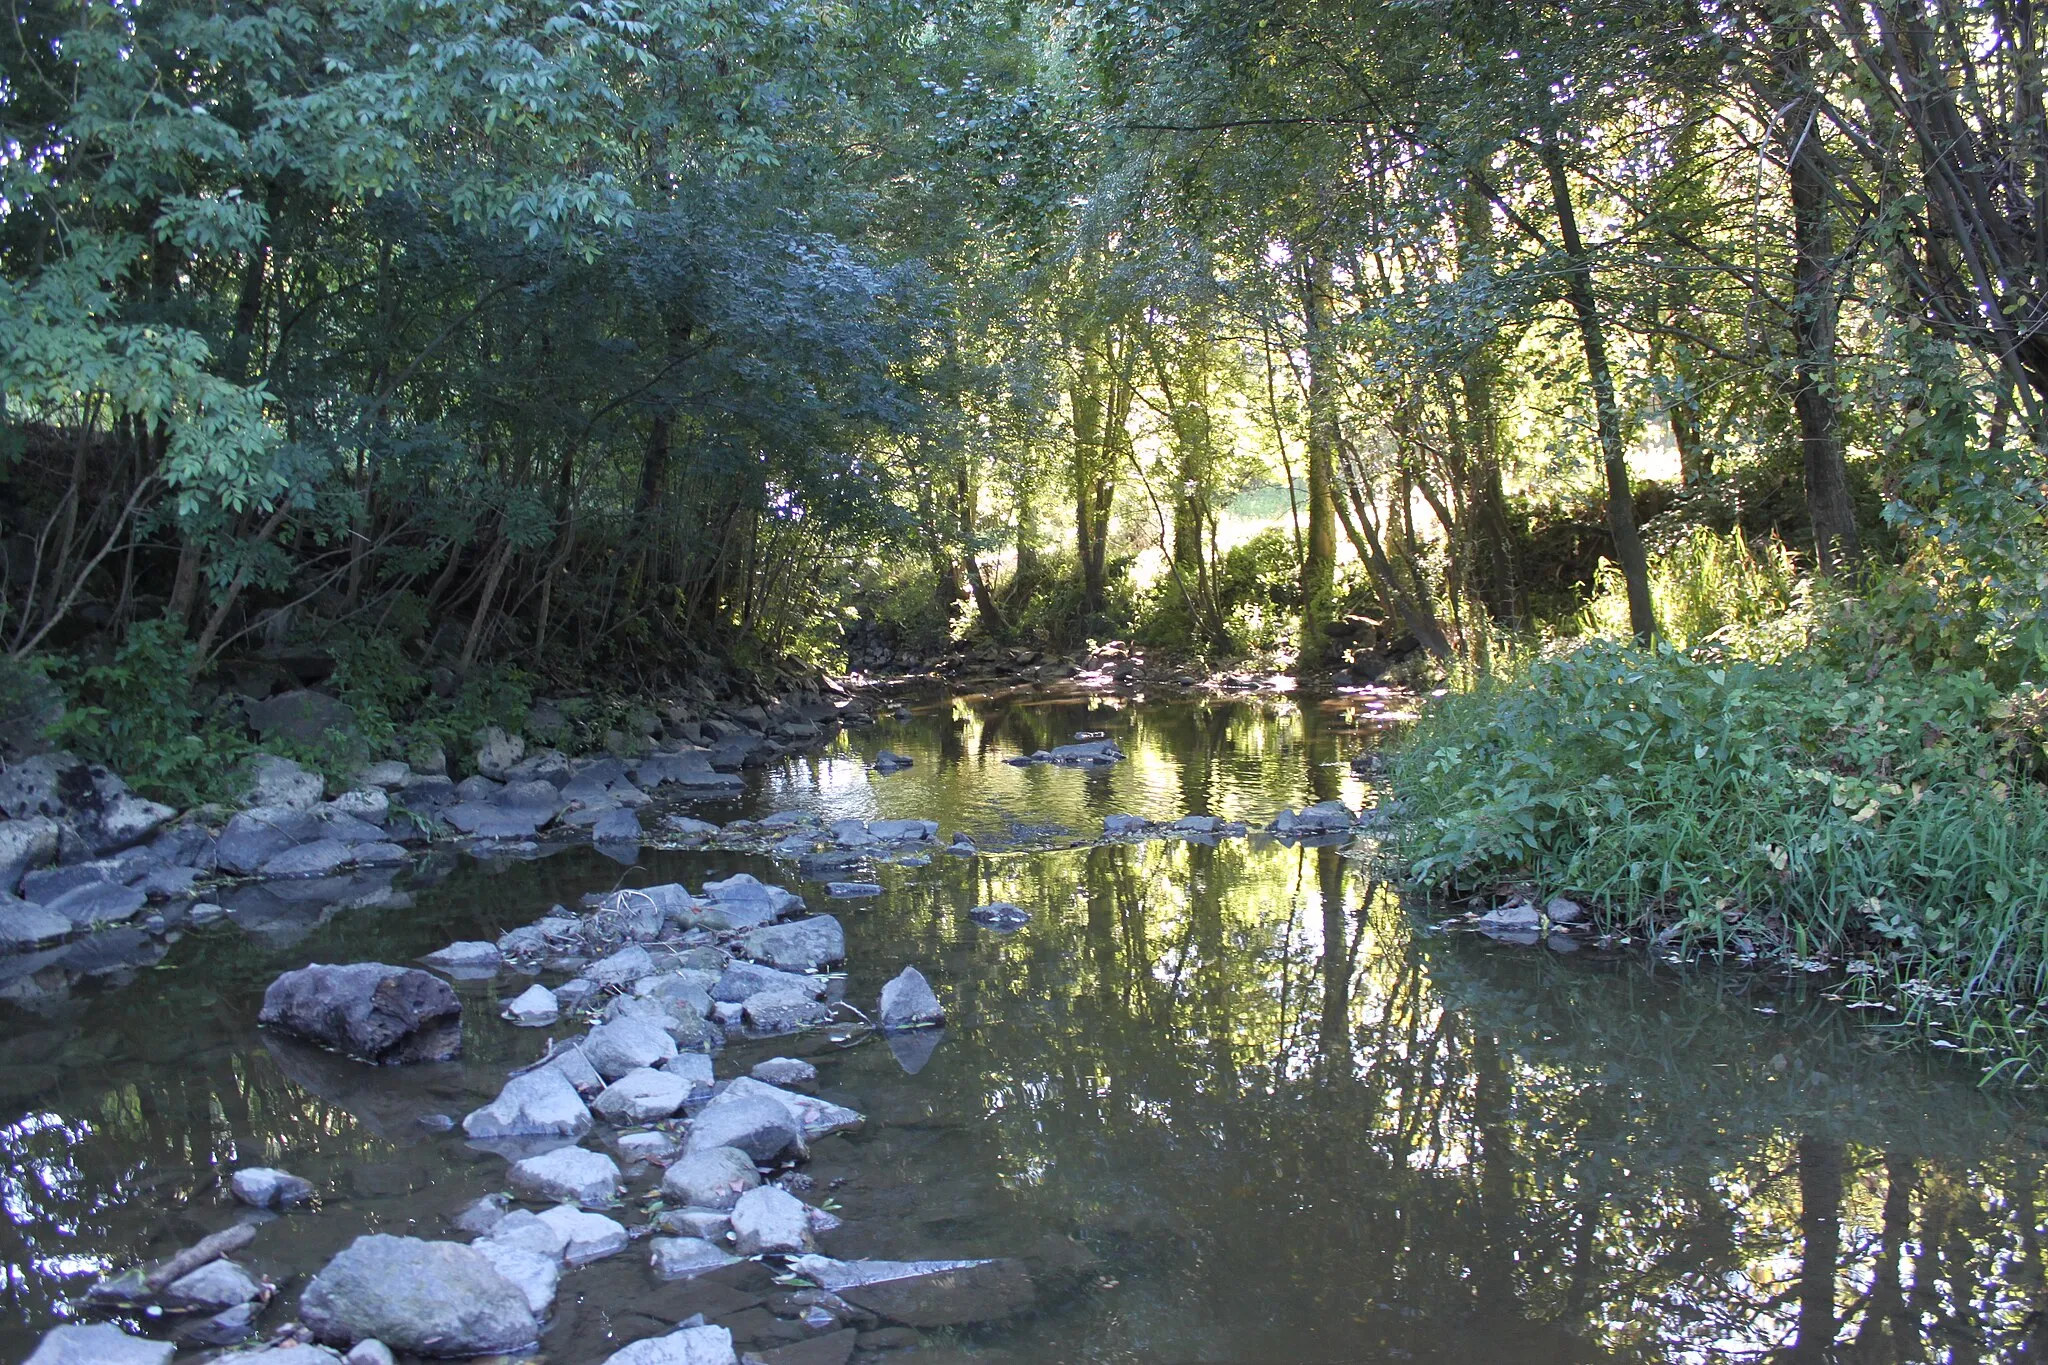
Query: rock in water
[[541, 1103], [102, 1344], [627, 1045], [924, 1293], [682, 1258], [537, 1276], [758, 1126], [908, 1002], [772, 1222], [1000, 915], [430, 1298], [711, 1178], [573, 1173], [586, 1237], [800, 946], [264, 1187], [643, 1095], [369, 1011], [691, 1346], [533, 1007]]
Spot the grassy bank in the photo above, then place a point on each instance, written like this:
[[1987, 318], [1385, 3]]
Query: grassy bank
[[1827, 797]]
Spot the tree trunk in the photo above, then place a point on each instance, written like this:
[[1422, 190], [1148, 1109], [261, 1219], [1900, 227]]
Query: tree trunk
[[1319, 557], [1621, 504], [1814, 305], [1087, 401]]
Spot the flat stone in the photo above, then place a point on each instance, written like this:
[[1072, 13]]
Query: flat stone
[[589, 1236], [572, 1065], [834, 1348], [472, 955], [265, 1187], [371, 805], [533, 1007], [430, 1298], [99, 903], [784, 1071], [541, 1103], [618, 826], [622, 968], [479, 1217], [781, 1011], [690, 1346], [488, 820], [704, 1224], [711, 1177], [909, 1002], [768, 1221], [319, 858], [924, 1293], [814, 1117], [693, 1069], [651, 1145], [268, 780], [527, 1231], [642, 1095], [568, 1173], [852, 890], [100, 1344], [214, 1286], [1000, 915], [743, 980], [256, 836], [24, 924], [802, 945], [625, 1045], [682, 1258]]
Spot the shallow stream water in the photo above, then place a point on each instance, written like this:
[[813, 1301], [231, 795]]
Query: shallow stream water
[[1229, 1103]]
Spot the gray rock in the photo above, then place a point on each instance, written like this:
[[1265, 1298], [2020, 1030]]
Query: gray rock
[[533, 1007], [536, 1276], [386, 773], [229, 1327], [268, 781], [26, 843], [99, 903], [296, 1353], [214, 1286], [369, 1352], [573, 1065], [587, 1237], [479, 1218], [1001, 916], [802, 945], [1520, 917], [619, 826], [651, 1145], [689, 828], [625, 1045], [1326, 817], [24, 924], [784, 1071], [320, 858], [123, 820], [683, 1258], [570, 1173], [690, 1346], [768, 1221], [908, 1002], [705, 1224], [576, 993], [814, 1117], [1118, 825], [497, 751], [380, 855], [852, 890], [710, 1177], [542, 1103], [687, 991], [488, 821], [532, 796], [744, 894], [430, 1298], [622, 968], [100, 1344], [889, 761], [529, 1232], [467, 955], [760, 1127], [369, 1011], [256, 836], [924, 1293], [781, 1011], [913, 1048], [904, 831], [1562, 910], [265, 1187], [1093, 753], [744, 980], [643, 1095], [371, 805], [43, 784]]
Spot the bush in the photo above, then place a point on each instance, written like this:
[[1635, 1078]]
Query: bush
[[1704, 584], [1795, 802], [137, 715]]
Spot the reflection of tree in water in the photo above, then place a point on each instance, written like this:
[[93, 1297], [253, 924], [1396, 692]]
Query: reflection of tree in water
[[1290, 1127]]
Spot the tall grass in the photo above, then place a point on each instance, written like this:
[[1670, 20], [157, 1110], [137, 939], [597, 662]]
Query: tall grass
[[1703, 585]]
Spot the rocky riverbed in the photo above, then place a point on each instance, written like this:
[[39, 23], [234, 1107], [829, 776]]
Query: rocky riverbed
[[953, 1058]]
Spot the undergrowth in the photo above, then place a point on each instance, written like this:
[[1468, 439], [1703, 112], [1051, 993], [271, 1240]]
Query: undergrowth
[[1802, 790]]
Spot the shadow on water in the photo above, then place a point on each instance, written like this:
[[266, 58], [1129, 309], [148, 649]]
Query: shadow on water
[[1228, 1103]]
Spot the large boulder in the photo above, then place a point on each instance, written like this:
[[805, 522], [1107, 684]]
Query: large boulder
[[368, 1010], [626, 1045], [744, 980], [261, 833], [497, 752], [431, 1298], [541, 1103], [802, 945], [770, 1221], [24, 924], [643, 1095], [576, 1174], [758, 1126]]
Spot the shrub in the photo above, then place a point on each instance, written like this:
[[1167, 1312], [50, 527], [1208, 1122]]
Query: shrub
[[1704, 584]]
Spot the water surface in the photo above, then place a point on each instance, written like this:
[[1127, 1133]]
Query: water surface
[[1228, 1103]]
